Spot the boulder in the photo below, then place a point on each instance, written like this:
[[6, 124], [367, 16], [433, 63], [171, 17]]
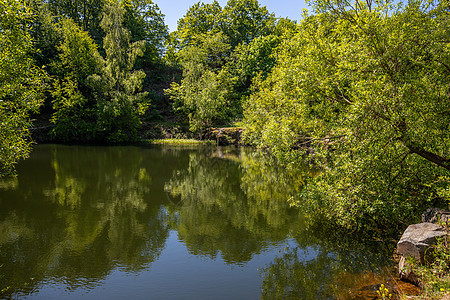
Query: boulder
[[418, 238], [436, 215]]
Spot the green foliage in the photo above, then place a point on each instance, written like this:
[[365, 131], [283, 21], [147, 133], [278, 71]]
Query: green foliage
[[20, 84], [279, 113], [85, 13], [74, 107], [244, 20], [145, 22], [240, 20], [46, 34], [246, 63], [255, 58], [202, 94], [371, 83], [116, 86], [200, 18], [434, 275]]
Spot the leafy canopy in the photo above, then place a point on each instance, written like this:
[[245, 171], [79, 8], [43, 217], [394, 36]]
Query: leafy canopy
[[371, 82], [220, 51], [20, 84]]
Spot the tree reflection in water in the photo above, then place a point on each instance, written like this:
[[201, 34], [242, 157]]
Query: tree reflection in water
[[80, 218], [233, 203], [75, 214], [328, 264]]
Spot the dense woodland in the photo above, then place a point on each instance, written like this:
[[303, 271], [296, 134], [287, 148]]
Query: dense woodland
[[359, 88]]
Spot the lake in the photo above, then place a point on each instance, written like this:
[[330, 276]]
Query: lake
[[165, 222]]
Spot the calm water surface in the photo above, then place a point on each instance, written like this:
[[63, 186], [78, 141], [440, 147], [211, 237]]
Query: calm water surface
[[170, 223]]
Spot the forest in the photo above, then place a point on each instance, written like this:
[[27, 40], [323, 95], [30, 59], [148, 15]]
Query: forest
[[361, 89]]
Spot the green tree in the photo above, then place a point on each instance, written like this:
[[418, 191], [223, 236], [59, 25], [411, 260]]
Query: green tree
[[244, 20], [219, 59], [292, 102], [370, 81], [200, 18], [45, 33], [20, 84], [145, 22], [86, 13], [246, 63], [202, 94], [75, 109], [253, 61], [117, 85]]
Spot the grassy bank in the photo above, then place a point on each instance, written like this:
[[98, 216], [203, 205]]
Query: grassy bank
[[178, 142]]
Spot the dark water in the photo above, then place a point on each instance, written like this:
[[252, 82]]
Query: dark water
[[170, 223]]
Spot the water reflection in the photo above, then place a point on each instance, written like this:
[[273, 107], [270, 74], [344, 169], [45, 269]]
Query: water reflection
[[78, 217], [227, 207], [346, 268], [75, 215]]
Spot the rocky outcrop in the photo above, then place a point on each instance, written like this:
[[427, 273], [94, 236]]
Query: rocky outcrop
[[418, 238], [416, 243], [436, 215]]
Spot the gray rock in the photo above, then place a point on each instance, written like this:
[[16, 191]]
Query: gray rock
[[418, 238], [436, 215]]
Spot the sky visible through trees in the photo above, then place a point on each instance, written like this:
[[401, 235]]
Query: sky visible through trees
[[176, 9]]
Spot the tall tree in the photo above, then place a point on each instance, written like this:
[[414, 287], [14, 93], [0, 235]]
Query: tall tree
[[20, 84], [372, 80], [75, 108], [117, 85], [244, 20], [202, 95]]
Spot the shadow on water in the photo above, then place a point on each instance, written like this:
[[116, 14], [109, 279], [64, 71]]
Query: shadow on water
[[76, 214]]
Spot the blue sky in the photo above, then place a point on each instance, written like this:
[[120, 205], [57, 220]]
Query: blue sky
[[175, 9]]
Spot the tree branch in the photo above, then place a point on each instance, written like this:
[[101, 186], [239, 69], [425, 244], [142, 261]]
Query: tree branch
[[413, 147], [438, 160]]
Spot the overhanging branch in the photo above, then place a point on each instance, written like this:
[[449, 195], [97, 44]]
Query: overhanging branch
[[437, 159]]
